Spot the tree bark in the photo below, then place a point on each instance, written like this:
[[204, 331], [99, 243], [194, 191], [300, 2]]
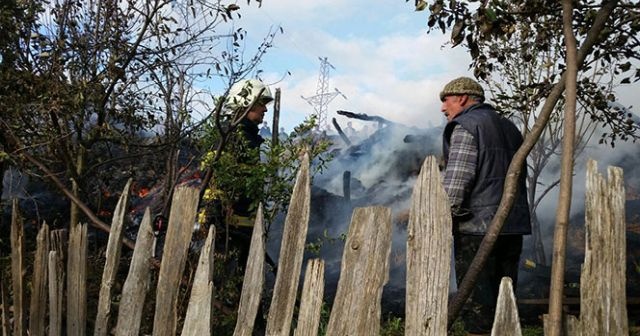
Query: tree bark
[[566, 175]]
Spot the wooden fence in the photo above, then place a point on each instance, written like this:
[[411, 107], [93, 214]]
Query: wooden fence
[[364, 271]]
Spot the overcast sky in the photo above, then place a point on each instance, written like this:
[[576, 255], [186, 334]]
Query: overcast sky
[[385, 63]]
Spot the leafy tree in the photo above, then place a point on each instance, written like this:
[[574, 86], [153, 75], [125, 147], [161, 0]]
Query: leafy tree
[[518, 90], [84, 81], [606, 33]]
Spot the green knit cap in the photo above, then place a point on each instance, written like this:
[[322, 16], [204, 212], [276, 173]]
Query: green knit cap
[[462, 86]]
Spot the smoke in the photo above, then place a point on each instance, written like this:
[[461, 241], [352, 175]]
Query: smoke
[[383, 168]]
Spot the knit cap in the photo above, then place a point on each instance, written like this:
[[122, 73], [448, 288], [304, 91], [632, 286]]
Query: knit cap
[[462, 86]]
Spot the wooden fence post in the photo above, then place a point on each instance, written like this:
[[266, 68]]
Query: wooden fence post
[[197, 321], [364, 271], [291, 252], [253, 279], [56, 280], [506, 321], [428, 254], [17, 260], [37, 312], [77, 281], [114, 245], [603, 302], [184, 207], [311, 300], [56, 289], [136, 285]]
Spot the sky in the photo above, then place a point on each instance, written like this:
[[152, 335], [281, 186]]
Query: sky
[[385, 62]]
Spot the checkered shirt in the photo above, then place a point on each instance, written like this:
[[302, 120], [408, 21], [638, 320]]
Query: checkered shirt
[[461, 169]]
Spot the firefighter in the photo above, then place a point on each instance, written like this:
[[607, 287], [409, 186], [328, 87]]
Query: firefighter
[[236, 187]]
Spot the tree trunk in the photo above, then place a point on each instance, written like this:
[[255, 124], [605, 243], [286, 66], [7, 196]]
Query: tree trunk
[[566, 175]]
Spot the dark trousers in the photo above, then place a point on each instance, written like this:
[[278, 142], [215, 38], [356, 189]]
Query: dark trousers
[[478, 312]]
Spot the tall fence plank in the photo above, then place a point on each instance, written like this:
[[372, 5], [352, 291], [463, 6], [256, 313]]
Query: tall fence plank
[[56, 280], [363, 273], [56, 288], [112, 261], [184, 207], [253, 280], [37, 312], [311, 300], [198, 318], [136, 285], [17, 266], [603, 302], [428, 254], [291, 252], [77, 281], [506, 321]]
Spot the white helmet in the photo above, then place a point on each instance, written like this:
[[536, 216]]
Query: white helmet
[[245, 91]]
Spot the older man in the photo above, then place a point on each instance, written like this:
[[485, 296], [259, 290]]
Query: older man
[[478, 145]]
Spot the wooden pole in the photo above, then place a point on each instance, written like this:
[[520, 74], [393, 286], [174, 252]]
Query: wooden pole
[[276, 119]]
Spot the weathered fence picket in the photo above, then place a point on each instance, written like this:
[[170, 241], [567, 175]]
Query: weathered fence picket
[[57, 277], [198, 318], [363, 273], [603, 302], [291, 252], [56, 288], [311, 299], [38, 312], [506, 321], [428, 254], [253, 282], [110, 270], [17, 261], [77, 281], [136, 285], [184, 207]]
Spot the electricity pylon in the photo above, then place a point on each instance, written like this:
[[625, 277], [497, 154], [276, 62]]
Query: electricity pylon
[[323, 96]]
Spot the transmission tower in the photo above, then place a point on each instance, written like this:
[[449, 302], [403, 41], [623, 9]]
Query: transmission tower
[[323, 96]]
